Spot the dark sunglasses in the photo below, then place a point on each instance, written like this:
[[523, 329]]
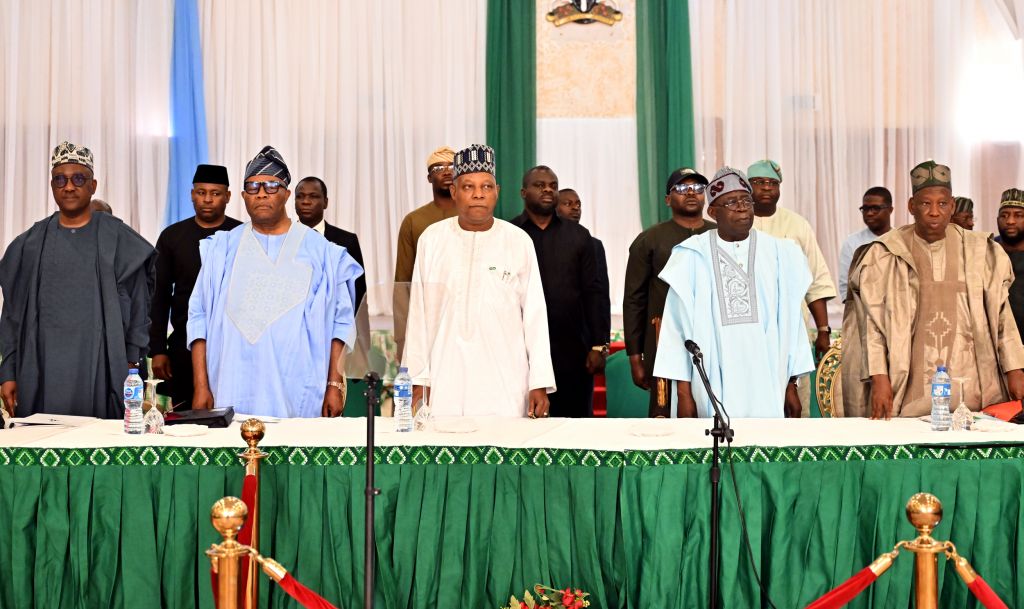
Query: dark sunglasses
[[60, 181], [685, 188], [441, 168], [270, 187]]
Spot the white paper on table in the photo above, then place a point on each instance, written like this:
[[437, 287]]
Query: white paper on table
[[259, 417], [62, 420]]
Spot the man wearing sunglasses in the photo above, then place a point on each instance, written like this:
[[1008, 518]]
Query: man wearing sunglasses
[[76, 290], [876, 210], [440, 207], [272, 311], [644, 296], [737, 293]]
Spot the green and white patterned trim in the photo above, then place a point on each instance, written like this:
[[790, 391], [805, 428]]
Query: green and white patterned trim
[[489, 455]]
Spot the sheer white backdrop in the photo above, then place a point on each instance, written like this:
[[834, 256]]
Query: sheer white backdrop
[[359, 96], [848, 95], [95, 72]]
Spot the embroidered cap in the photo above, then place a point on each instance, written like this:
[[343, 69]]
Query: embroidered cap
[[1012, 197], [475, 159], [962, 205], [726, 180], [930, 173], [66, 152]]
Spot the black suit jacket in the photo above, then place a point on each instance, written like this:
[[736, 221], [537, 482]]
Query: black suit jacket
[[350, 242]]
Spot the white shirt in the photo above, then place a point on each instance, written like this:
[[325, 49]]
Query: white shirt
[[477, 331], [850, 246]]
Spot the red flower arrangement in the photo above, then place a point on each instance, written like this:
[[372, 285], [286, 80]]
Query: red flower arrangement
[[550, 598]]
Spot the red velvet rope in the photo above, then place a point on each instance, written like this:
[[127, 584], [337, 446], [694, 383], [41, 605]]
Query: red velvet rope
[[985, 595], [846, 591], [305, 597]]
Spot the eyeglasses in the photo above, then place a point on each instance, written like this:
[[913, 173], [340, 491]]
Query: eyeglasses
[[270, 187], [440, 168], [873, 209], [764, 182], [78, 179], [687, 188], [738, 204]]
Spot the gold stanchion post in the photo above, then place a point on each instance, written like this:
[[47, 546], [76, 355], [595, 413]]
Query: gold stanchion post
[[252, 432], [924, 511], [228, 516]]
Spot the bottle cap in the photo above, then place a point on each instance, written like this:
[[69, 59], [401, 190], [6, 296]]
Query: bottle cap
[[403, 370], [941, 369], [133, 371]]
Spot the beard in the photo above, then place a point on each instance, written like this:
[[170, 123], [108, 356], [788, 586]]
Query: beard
[[1008, 240]]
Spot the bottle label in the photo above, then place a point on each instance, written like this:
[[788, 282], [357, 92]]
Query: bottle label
[[133, 393], [403, 391], [940, 390]]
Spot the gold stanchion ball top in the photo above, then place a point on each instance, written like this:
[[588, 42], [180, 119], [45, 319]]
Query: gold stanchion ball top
[[228, 515], [924, 511], [252, 431]]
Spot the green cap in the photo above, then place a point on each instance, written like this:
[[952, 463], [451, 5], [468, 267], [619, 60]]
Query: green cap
[[930, 173], [765, 168]]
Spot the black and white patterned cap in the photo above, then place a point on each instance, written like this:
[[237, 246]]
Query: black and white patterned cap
[[268, 162], [475, 159], [66, 152]]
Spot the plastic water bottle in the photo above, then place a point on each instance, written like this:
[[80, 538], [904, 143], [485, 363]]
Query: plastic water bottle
[[941, 418], [133, 402], [403, 400]]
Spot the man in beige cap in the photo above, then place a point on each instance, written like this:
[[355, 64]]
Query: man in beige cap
[[441, 207], [925, 295]]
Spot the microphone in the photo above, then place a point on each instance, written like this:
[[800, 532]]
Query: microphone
[[692, 348]]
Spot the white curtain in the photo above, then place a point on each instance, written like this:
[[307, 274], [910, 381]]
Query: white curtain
[[95, 72], [357, 93], [597, 158], [849, 95]]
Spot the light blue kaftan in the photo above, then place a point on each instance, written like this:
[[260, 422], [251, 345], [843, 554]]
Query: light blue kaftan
[[268, 307], [746, 316]]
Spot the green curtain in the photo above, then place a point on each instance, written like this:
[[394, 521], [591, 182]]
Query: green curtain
[[511, 96], [455, 533], [664, 100]]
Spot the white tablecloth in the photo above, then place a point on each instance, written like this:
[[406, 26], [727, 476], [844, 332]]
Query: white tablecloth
[[592, 434]]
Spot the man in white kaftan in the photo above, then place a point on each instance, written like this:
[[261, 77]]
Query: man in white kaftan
[[738, 293], [477, 332]]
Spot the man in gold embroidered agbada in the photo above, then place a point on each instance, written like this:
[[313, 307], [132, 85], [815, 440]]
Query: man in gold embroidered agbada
[[925, 295]]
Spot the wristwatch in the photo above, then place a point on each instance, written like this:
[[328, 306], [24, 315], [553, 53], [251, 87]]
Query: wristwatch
[[337, 385], [602, 348], [825, 329]]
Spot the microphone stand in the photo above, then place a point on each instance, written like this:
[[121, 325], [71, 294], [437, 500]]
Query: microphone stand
[[369, 548], [721, 431]]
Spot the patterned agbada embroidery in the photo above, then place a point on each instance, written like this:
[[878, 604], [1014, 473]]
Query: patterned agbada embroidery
[[737, 295]]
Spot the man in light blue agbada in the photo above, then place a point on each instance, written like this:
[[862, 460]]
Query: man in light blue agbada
[[738, 293], [272, 311]]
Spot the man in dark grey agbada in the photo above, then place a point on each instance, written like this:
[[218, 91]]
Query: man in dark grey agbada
[[76, 289]]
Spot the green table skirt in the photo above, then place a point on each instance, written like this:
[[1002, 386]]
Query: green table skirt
[[467, 531]]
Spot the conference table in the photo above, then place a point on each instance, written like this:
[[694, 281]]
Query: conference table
[[477, 509]]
